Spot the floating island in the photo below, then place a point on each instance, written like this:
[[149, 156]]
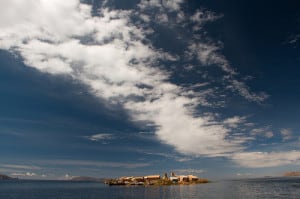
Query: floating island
[[157, 180]]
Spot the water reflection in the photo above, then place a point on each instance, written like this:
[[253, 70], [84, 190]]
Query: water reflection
[[248, 189]]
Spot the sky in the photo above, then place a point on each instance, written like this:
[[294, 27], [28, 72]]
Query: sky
[[108, 88]]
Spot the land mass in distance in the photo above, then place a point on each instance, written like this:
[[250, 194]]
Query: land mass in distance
[[292, 174], [5, 177], [157, 180]]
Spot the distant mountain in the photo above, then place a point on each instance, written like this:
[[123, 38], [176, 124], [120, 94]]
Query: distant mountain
[[5, 177], [292, 173], [87, 179]]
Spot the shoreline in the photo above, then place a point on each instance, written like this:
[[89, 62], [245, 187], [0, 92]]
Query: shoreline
[[156, 180], [166, 183]]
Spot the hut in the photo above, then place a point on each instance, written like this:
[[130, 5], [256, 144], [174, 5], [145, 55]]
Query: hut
[[183, 178], [152, 177], [174, 179], [193, 178]]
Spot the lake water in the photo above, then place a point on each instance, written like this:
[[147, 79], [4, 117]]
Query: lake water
[[255, 188]]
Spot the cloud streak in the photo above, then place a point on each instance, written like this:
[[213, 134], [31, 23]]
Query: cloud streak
[[286, 134], [266, 159], [189, 171], [27, 174], [20, 166], [100, 137], [264, 131], [99, 164]]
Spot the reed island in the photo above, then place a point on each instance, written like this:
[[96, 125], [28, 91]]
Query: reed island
[[157, 180]]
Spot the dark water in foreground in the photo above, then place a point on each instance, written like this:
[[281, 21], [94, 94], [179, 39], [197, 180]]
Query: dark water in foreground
[[256, 188]]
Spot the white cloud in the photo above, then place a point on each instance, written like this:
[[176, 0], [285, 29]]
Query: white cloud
[[172, 5], [162, 18], [244, 174], [68, 176], [145, 18], [202, 17], [27, 174], [100, 136], [244, 91], [286, 134], [20, 166], [266, 159], [170, 156], [30, 174], [54, 20], [269, 134], [189, 171], [208, 54], [233, 122], [18, 174], [263, 131], [179, 128], [294, 39]]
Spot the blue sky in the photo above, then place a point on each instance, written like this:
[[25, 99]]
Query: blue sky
[[111, 88]]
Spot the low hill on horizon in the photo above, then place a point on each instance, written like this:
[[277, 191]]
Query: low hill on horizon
[[6, 177], [292, 174]]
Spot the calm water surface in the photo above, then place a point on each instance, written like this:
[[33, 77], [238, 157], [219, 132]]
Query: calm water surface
[[230, 189]]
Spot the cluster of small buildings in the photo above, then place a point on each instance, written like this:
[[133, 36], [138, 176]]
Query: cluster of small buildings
[[154, 179], [183, 178], [139, 180]]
